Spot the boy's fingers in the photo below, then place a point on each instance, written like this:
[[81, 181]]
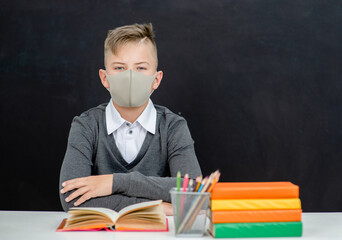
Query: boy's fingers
[[77, 193], [72, 184], [167, 209], [82, 199], [68, 187]]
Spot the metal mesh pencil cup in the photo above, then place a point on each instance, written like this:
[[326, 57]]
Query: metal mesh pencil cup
[[189, 212]]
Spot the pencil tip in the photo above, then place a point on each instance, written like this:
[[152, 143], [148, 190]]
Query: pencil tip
[[218, 176], [191, 182], [199, 178]]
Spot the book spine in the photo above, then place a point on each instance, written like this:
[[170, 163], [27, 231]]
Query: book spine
[[252, 193], [255, 204], [256, 216], [272, 229]]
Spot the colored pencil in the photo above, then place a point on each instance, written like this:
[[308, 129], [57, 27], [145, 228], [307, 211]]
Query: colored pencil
[[185, 182], [198, 181], [185, 185], [191, 183], [202, 184], [178, 196]]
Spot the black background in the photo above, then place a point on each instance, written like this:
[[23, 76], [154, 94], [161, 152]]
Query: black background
[[259, 82]]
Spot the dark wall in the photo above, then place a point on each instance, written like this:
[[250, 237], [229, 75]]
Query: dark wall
[[259, 82]]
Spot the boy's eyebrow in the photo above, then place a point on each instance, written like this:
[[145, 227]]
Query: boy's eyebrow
[[142, 63], [134, 63], [117, 63]]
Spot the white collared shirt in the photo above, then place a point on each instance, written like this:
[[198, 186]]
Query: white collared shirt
[[129, 137]]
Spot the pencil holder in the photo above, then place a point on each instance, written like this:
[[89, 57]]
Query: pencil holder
[[189, 212]]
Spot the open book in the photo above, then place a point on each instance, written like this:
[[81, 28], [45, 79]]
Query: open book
[[145, 216]]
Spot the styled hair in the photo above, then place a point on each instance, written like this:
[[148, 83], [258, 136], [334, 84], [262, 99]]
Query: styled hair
[[129, 33]]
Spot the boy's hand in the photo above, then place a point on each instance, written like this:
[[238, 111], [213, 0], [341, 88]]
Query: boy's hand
[[167, 208], [88, 187]]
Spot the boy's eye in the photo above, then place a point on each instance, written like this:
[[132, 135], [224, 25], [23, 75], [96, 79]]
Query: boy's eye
[[141, 68], [118, 68]]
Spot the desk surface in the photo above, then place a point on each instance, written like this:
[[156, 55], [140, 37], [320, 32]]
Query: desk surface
[[42, 225]]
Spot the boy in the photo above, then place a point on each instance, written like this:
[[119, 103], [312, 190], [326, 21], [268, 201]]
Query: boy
[[128, 150]]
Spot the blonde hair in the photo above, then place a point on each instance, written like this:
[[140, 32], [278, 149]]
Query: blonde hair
[[129, 33]]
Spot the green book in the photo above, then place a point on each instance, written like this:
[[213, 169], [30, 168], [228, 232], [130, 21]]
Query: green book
[[258, 229]]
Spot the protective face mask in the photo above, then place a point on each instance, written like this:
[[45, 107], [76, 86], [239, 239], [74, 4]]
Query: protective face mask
[[130, 88]]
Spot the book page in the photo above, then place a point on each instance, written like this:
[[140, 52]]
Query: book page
[[138, 206], [147, 218], [98, 210], [150, 214]]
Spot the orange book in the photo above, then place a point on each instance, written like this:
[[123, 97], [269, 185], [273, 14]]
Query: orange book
[[255, 216], [254, 190]]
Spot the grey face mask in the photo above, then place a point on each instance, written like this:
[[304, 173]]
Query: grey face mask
[[130, 88]]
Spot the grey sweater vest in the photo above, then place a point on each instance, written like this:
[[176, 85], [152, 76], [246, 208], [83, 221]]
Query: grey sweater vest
[[91, 151]]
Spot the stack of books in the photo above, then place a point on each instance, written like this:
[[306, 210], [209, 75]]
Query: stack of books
[[255, 209]]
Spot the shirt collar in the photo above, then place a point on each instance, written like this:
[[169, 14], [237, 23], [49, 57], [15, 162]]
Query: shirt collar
[[147, 119], [113, 118]]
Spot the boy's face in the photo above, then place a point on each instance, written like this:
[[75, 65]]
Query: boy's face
[[140, 57], [132, 56]]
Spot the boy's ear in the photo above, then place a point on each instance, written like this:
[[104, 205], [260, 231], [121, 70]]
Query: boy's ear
[[157, 80], [103, 78]]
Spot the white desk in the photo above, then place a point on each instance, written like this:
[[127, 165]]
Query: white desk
[[42, 225]]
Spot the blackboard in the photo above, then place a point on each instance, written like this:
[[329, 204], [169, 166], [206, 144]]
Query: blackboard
[[259, 82]]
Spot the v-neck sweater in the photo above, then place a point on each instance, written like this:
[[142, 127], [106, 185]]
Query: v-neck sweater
[[150, 176]]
